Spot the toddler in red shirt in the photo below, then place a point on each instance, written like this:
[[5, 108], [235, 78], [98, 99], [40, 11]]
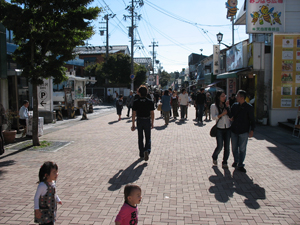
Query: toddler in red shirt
[[128, 214]]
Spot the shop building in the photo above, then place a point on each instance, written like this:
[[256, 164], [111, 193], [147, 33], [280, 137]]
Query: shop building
[[273, 55]]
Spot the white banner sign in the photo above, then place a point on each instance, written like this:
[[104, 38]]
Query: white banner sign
[[45, 95], [216, 57], [265, 16]]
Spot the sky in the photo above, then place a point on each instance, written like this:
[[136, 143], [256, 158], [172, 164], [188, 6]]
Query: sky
[[179, 28]]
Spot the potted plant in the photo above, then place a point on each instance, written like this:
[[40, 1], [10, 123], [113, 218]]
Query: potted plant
[[9, 134]]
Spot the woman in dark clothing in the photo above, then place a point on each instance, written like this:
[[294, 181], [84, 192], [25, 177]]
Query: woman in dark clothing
[[119, 106], [166, 107], [174, 104]]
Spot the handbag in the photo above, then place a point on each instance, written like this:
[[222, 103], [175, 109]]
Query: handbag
[[213, 130], [159, 107]]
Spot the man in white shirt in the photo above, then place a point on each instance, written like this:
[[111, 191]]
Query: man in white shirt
[[183, 100], [23, 113]]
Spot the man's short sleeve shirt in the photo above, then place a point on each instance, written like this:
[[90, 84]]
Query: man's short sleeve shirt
[[143, 107]]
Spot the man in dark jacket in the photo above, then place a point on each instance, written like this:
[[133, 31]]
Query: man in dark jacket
[[200, 103], [242, 127]]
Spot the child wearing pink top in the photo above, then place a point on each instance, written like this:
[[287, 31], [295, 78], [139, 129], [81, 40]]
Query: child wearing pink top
[[128, 214]]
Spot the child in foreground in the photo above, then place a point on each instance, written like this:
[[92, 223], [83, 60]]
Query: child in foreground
[[128, 214], [45, 199]]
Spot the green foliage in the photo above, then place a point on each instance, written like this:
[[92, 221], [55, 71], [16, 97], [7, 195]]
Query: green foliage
[[46, 33], [140, 75], [117, 68], [164, 78], [96, 71]]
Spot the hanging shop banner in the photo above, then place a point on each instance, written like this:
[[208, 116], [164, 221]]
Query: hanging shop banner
[[286, 71], [216, 57], [265, 16]]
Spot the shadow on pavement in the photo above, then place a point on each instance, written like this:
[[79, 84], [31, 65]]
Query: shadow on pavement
[[200, 124], [127, 176], [160, 127], [180, 122], [4, 164], [16, 152], [291, 161], [282, 139], [240, 183]]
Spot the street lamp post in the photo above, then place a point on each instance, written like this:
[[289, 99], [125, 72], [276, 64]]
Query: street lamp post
[[220, 38]]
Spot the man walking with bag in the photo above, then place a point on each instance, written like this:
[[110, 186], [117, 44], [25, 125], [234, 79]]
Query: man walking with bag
[[242, 127]]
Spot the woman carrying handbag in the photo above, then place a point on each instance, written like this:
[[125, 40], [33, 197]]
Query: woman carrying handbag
[[220, 111]]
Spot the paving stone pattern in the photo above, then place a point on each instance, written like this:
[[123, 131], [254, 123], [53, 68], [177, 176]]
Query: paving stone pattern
[[179, 184]]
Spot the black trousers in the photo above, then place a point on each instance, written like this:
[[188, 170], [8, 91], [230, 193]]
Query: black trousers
[[144, 127]]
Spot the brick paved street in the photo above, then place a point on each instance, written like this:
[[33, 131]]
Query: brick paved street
[[179, 184]]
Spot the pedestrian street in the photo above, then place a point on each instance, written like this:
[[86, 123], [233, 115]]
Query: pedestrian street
[[180, 185]]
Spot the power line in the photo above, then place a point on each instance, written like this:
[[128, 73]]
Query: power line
[[169, 38], [174, 16]]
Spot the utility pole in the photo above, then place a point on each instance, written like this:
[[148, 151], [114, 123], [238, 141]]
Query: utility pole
[[106, 17], [154, 44], [133, 16]]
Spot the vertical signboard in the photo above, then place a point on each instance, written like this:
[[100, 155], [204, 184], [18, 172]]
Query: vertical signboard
[[231, 86], [45, 92], [216, 61], [265, 16], [286, 71]]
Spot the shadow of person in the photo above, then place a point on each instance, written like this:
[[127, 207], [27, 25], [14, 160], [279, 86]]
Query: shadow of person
[[180, 122], [246, 187], [160, 127], [112, 122], [5, 164], [127, 176], [223, 185]]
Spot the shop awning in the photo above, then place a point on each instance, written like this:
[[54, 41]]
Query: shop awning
[[232, 74], [214, 83]]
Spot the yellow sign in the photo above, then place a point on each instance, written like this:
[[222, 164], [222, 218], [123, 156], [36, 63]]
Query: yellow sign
[[286, 71]]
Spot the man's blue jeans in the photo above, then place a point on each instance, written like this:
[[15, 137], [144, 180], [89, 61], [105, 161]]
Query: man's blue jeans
[[223, 136], [144, 126], [239, 144], [200, 108]]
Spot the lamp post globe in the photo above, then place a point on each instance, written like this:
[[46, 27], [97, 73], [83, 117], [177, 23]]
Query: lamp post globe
[[219, 37]]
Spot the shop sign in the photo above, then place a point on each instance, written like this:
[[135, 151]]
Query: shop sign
[[234, 57], [231, 88], [265, 16], [45, 91], [286, 71], [216, 57]]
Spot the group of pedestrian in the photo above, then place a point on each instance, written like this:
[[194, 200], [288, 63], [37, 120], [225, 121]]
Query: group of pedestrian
[[235, 122]]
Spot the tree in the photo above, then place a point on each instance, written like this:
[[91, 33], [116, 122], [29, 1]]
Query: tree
[[164, 78], [95, 70], [117, 68], [140, 75], [46, 33]]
